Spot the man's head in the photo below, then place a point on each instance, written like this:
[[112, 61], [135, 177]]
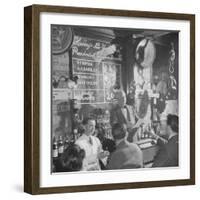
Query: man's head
[[89, 126], [121, 98], [172, 124], [119, 131], [72, 159]]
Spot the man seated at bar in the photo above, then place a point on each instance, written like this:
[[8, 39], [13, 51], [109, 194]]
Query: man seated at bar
[[124, 114], [127, 155], [91, 145], [167, 156]]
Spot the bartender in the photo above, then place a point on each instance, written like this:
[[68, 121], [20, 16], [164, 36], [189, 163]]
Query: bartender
[[91, 145]]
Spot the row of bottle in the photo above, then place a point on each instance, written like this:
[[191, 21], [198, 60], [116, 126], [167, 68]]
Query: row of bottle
[[59, 146], [144, 132]]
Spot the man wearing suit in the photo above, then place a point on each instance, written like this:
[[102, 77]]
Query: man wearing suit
[[168, 154], [124, 114], [127, 155]]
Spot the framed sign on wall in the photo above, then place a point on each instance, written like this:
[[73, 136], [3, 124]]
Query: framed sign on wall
[[109, 99]]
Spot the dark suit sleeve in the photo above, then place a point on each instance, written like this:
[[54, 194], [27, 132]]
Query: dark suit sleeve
[[167, 156], [112, 161], [161, 141], [161, 159]]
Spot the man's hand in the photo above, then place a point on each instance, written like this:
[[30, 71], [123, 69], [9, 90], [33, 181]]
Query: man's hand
[[156, 137], [153, 135], [103, 154]]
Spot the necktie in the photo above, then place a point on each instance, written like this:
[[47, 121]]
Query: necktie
[[90, 140], [128, 114]]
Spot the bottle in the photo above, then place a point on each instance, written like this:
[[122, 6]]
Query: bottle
[[145, 134], [149, 129], [155, 114], [60, 145], [139, 131], [55, 148], [66, 143], [142, 131], [75, 134]]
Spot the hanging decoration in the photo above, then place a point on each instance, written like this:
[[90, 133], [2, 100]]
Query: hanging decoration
[[142, 103], [145, 53], [172, 58], [172, 83]]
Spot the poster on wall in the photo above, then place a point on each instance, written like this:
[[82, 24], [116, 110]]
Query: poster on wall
[[97, 69]]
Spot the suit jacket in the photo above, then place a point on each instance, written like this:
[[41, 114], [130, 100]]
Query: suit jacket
[[168, 154], [126, 156]]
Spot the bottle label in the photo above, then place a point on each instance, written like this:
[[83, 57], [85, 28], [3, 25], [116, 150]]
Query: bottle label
[[61, 149], [55, 153]]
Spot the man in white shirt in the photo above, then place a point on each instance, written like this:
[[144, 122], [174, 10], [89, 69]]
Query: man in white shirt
[[92, 146]]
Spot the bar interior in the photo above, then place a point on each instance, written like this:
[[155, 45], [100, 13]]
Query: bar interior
[[113, 93]]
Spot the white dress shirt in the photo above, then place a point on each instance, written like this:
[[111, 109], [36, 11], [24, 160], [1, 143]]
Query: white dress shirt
[[92, 147]]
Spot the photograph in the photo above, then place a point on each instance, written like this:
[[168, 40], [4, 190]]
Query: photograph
[[115, 98]]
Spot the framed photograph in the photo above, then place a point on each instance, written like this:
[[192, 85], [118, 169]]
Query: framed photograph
[[109, 99]]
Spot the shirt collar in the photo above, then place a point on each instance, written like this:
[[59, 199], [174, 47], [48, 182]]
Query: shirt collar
[[172, 135]]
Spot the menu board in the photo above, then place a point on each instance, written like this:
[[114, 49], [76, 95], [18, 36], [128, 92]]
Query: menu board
[[98, 71]]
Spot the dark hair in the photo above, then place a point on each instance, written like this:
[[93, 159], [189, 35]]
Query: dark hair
[[72, 158], [87, 119], [172, 121], [119, 131], [109, 145]]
